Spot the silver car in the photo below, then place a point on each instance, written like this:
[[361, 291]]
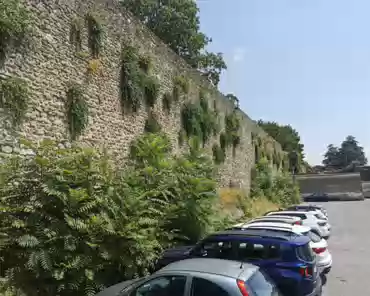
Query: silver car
[[199, 277]]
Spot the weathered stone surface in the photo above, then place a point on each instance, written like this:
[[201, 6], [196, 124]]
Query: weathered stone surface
[[6, 149], [49, 63]]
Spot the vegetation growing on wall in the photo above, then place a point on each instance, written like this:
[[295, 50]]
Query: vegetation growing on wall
[[137, 85], [14, 22], [95, 67], [198, 120], [76, 34], [218, 154], [95, 30], [151, 124], [14, 97], [231, 135], [77, 111], [180, 87]]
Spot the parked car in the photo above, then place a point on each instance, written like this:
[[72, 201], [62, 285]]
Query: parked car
[[200, 277], [318, 244], [285, 257], [277, 219], [319, 226], [309, 207], [318, 212]]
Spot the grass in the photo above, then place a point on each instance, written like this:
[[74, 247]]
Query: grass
[[236, 201]]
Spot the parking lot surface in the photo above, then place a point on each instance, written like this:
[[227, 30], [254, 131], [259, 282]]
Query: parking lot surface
[[350, 247]]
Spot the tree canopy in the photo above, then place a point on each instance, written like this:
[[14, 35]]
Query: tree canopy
[[347, 154], [289, 140], [177, 24]]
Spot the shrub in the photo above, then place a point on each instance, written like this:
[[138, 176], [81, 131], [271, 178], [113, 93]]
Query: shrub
[[72, 224]]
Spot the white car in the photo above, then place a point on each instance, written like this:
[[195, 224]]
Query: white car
[[308, 207], [319, 226], [311, 208], [278, 219], [318, 245]]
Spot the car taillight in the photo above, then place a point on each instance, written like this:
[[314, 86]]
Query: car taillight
[[305, 271], [242, 287], [298, 222], [319, 250]]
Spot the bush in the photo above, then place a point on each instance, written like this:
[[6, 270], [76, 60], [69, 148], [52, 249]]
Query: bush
[[72, 224]]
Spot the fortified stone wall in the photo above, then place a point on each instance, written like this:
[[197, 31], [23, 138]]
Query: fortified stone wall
[[49, 63]]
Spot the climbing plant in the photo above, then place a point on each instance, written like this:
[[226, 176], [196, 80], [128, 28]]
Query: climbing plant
[[14, 97], [145, 63], [167, 102], [95, 30], [198, 120], [218, 154], [180, 87], [76, 34], [181, 137], [77, 110], [231, 135], [151, 124], [137, 86], [14, 24]]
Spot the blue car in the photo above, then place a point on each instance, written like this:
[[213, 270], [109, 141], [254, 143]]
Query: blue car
[[285, 257]]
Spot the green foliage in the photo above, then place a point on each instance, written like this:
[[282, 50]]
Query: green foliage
[[145, 63], [167, 102], [77, 111], [198, 120], [14, 23], [234, 100], [72, 224], [151, 124], [218, 154], [180, 86], [76, 34], [181, 137], [136, 85], [96, 32], [347, 154], [231, 135], [177, 24], [14, 97], [276, 187]]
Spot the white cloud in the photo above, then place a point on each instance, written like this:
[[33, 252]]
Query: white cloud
[[238, 54]]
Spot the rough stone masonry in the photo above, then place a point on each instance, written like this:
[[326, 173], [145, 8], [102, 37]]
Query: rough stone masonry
[[49, 63]]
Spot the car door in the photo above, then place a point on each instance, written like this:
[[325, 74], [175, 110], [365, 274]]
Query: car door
[[201, 286], [161, 285]]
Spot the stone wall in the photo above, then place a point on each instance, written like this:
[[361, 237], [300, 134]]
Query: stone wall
[[49, 63]]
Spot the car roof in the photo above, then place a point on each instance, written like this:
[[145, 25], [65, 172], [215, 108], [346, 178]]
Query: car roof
[[290, 212], [229, 268], [272, 235], [278, 226], [277, 217]]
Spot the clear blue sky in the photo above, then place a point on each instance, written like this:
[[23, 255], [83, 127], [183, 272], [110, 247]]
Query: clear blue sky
[[299, 62]]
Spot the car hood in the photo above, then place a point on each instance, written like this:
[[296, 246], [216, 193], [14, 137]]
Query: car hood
[[116, 289]]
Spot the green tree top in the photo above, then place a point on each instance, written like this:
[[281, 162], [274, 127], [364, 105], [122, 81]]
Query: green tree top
[[177, 24]]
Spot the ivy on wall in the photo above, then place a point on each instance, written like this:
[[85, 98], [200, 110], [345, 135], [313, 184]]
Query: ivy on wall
[[218, 154], [198, 120], [14, 98], [95, 30], [137, 86], [151, 124], [180, 87], [76, 34], [14, 24], [77, 111], [231, 136]]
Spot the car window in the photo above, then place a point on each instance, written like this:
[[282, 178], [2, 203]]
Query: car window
[[162, 286], [262, 285], [313, 236], [320, 216], [201, 287], [305, 253], [214, 249], [302, 216], [254, 251]]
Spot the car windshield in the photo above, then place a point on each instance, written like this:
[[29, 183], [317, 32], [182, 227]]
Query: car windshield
[[262, 285], [313, 236]]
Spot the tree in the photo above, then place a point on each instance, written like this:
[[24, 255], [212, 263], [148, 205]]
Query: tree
[[177, 24], [233, 99], [289, 140], [349, 153]]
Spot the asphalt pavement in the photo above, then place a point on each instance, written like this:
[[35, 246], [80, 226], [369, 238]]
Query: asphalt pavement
[[349, 245]]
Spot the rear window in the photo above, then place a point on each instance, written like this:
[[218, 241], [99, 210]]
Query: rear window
[[313, 236], [320, 216], [305, 253], [302, 216], [256, 251], [261, 285]]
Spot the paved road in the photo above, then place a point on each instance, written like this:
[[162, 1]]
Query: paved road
[[350, 246]]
